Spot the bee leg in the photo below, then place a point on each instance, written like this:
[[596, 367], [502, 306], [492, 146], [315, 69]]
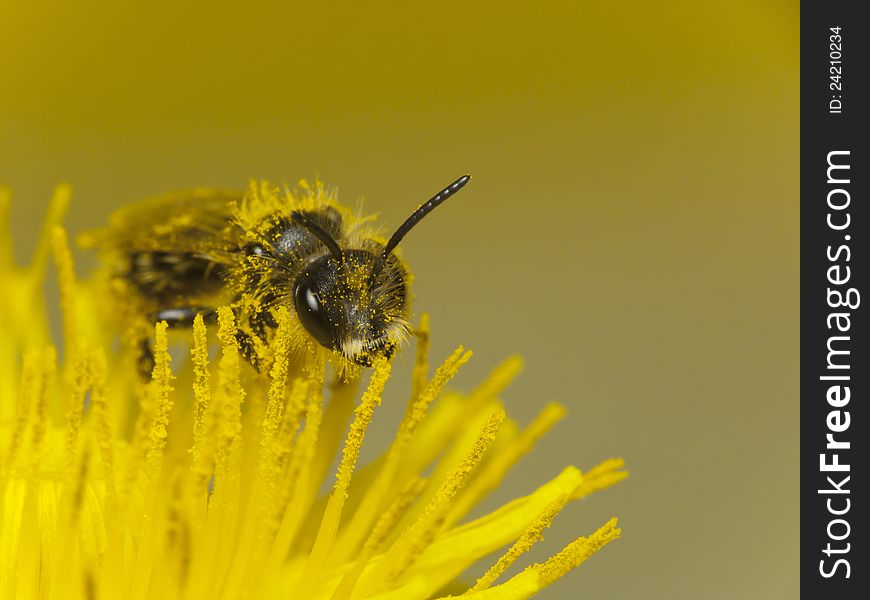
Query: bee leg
[[260, 321], [389, 349], [248, 350], [146, 360], [175, 318], [182, 316]]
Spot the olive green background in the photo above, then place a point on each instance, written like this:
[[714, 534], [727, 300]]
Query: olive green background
[[631, 228]]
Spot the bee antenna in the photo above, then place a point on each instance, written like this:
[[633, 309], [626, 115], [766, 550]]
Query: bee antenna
[[320, 233], [415, 218]]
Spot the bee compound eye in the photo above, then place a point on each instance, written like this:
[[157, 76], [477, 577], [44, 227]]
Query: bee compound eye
[[313, 317]]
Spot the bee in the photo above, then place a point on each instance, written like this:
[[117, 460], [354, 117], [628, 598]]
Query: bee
[[182, 255]]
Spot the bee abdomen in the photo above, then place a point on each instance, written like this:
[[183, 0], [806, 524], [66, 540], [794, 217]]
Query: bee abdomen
[[162, 275]]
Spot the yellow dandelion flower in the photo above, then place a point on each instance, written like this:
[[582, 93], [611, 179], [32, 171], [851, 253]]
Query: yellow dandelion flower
[[203, 483]]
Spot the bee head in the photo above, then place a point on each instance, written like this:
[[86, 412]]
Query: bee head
[[355, 301], [340, 308]]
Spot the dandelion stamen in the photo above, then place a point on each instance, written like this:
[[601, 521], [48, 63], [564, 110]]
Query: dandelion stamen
[[421, 361], [280, 455], [98, 372], [29, 390], [80, 386], [378, 535], [56, 210], [439, 429], [161, 390], [600, 477], [529, 538], [201, 397], [411, 543], [67, 284], [5, 237], [497, 380], [384, 483], [297, 495], [572, 555], [278, 388], [353, 442], [338, 411], [494, 471], [39, 425], [155, 421]]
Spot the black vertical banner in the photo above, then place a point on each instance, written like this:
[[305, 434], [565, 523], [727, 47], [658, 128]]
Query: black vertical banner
[[835, 373]]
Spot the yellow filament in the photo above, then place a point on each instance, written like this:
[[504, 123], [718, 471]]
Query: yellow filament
[[353, 442], [13, 504], [572, 555], [10, 351], [81, 383], [386, 522], [529, 538], [161, 388], [178, 542], [141, 442], [279, 454], [229, 423], [105, 436], [498, 380], [29, 390], [409, 545], [421, 362], [225, 500], [257, 519], [71, 509], [297, 492], [204, 427], [419, 406], [56, 210], [39, 425], [390, 517], [201, 393], [496, 469], [383, 485], [277, 390], [279, 480], [156, 419], [79, 485], [66, 282], [600, 477], [439, 429], [519, 587], [342, 404], [504, 525], [98, 372], [5, 236]]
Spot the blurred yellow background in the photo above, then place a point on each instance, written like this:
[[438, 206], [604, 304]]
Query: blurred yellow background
[[631, 228]]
